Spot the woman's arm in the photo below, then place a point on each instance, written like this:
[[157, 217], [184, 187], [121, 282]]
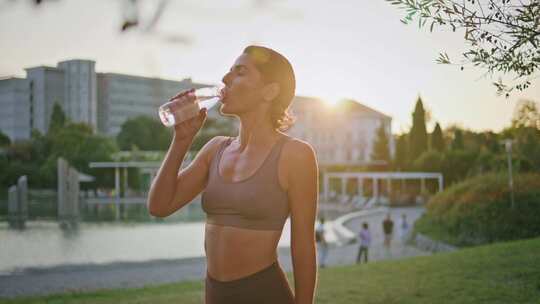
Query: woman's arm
[[171, 190], [163, 186], [302, 186]]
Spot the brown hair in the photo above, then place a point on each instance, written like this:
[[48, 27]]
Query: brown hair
[[274, 67]]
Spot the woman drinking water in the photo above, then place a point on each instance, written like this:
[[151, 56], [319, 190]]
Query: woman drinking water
[[250, 184]]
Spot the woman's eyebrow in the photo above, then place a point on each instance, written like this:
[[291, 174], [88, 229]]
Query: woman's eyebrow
[[238, 67]]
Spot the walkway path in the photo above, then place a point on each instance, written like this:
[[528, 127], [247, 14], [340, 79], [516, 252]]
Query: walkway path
[[377, 251]]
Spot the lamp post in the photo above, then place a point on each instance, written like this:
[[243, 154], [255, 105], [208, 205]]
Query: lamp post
[[508, 146]]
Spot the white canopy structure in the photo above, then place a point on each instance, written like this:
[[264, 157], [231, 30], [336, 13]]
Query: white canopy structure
[[376, 176], [147, 167]]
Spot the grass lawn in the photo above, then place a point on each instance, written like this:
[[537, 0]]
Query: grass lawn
[[499, 273]]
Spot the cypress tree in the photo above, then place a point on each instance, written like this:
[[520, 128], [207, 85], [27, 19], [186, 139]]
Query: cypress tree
[[418, 140], [437, 141], [457, 143]]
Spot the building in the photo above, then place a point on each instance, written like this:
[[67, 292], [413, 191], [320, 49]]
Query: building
[[102, 100], [341, 134], [123, 96], [15, 113], [80, 91], [71, 84]]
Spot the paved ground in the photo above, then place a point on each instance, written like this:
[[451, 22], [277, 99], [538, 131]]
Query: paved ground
[[397, 250], [122, 275]]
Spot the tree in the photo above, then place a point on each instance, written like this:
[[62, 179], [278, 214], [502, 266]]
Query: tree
[[37, 157], [79, 146], [457, 143], [4, 140], [429, 161], [503, 36], [381, 149], [418, 141], [491, 142], [402, 156], [213, 127], [526, 115], [457, 165], [58, 119], [145, 133], [437, 140], [525, 133]]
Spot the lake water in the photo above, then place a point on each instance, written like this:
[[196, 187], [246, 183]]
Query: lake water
[[44, 244]]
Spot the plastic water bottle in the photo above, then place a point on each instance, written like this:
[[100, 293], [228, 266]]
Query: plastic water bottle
[[172, 113]]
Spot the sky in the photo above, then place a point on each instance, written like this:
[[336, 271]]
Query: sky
[[339, 49]]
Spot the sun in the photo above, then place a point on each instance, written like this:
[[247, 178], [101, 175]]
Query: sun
[[331, 102]]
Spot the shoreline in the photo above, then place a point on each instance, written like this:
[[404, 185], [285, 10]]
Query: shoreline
[[38, 281]]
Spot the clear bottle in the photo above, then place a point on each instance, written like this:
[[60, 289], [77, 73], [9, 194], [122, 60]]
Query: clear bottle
[[172, 113]]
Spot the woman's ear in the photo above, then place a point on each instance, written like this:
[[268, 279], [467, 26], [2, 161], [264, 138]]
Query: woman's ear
[[271, 91]]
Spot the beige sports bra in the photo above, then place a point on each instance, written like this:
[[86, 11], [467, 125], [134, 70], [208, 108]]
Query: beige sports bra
[[257, 202]]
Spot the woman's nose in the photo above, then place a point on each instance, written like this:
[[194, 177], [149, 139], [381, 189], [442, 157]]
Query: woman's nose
[[226, 79]]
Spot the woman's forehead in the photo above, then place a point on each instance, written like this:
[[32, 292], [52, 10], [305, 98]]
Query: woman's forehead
[[244, 60]]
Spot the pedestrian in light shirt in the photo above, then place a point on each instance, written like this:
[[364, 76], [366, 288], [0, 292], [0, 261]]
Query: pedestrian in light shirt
[[365, 240], [322, 244]]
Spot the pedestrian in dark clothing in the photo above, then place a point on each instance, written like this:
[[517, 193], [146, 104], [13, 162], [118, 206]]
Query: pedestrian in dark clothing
[[388, 229]]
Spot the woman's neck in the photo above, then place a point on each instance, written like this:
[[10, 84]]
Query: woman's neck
[[256, 130]]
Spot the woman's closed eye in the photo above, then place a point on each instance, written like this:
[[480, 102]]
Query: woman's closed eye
[[239, 70]]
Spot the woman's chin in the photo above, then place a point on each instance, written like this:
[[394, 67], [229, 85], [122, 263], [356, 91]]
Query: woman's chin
[[224, 110]]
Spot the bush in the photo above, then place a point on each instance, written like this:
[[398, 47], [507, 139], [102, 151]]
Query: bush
[[478, 210], [429, 161]]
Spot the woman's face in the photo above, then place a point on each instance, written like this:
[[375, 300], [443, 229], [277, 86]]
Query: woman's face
[[244, 87]]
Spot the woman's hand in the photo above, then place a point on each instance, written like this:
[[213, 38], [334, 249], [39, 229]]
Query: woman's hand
[[188, 129]]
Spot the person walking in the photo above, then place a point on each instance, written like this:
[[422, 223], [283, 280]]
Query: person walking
[[404, 228], [322, 244], [365, 241], [250, 185], [388, 229]]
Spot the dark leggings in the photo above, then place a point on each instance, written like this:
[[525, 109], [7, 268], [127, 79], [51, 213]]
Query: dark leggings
[[267, 286], [362, 250]]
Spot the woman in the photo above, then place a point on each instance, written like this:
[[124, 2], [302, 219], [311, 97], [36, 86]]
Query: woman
[[251, 183]]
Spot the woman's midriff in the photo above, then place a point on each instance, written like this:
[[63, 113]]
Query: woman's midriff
[[233, 253]]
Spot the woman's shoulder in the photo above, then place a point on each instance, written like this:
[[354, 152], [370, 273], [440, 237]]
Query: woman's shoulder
[[296, 147], [211, 147], [298, 156], [215, 142]]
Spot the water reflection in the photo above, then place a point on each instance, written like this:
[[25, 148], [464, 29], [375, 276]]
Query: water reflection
[[44, 244]]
